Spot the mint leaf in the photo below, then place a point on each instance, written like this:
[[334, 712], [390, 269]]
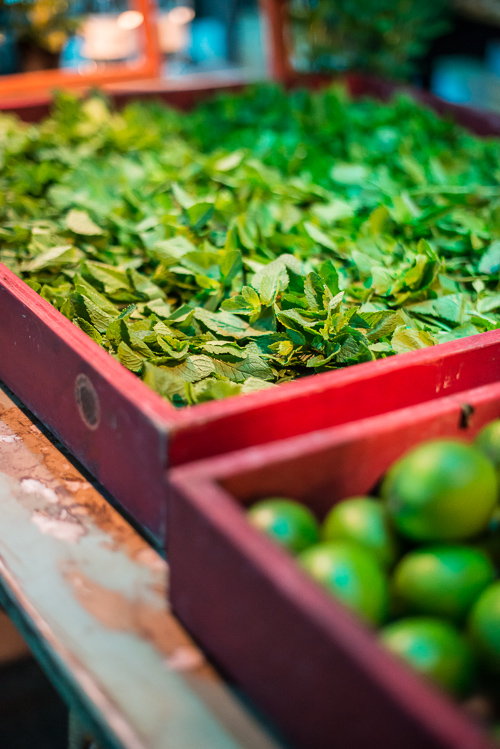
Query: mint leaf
[[199, 215], [490, 261], [409, 339], [260, 237], [79, 222]]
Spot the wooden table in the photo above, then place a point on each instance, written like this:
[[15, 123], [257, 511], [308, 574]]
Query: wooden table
[[89, 595]]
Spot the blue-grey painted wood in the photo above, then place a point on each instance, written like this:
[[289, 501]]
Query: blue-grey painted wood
[[89, 595]]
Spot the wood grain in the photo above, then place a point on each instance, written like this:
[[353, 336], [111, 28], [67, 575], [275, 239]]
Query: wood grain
[[90, 596]]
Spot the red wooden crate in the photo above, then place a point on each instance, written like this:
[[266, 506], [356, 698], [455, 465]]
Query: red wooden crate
[[137, 435], [308, 662]]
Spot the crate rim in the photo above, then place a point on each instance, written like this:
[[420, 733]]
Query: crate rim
[[159, 408]]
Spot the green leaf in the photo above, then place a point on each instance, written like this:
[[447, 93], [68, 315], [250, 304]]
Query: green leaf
[[329, 274], [83, 307], [409, 339], [53, 258], [82, 287], [163, 381], [489, 303], [452, 307], [253, 384], [251, 366], [214, 389], [246, 303], [274, 277], [219, 348], [335, 210], [129, 358], [231, 265], [144, 286], [293, 319], [109, 279], [79, 222], [222, 323], [319, 236], [194, 368], [159, 307], [88, 329], [314, 289], [229, 162], [199, 215], [349, 174], [172, 249], [490, 261]]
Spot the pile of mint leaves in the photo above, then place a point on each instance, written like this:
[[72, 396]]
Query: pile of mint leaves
[[261, 237]]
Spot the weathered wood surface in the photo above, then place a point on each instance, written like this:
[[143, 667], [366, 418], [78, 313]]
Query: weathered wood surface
[[89, 594]]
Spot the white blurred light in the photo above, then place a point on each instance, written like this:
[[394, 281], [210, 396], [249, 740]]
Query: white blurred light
[[130, 19], [106, 40], [181, 15]]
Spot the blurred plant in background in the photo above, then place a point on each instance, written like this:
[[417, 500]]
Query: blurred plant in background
[[41, 29], [382, 37]]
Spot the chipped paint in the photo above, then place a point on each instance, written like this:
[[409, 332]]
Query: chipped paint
[[33, 486], [64, 527], [151, 559], [75, 486], [151, 622], [95, 596], [185, 658], [9, 438], [34, 456]]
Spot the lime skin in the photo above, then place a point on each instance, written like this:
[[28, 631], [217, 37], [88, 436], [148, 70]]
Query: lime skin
[[363, 520], [488, 441], [442, 581], [442, 490], [434, 649], [484, 626], [289, 523], [352, 575]]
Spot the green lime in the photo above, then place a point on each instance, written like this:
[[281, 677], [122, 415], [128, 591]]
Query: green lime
[[484, 625], [443, 490], [351, 574], [435, 649], [287, 522], [364, 520], [488, 441], [442, 580]]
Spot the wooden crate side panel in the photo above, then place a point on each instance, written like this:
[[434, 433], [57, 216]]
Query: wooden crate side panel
[[280, 636], [303, 658], [106, 417], [324, 467]]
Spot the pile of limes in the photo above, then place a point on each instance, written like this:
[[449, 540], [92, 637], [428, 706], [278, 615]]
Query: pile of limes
[[420, 561]]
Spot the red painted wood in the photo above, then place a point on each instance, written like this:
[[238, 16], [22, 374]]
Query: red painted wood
[[275, 13], [336, 397], [41, 355], [295, 650]]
